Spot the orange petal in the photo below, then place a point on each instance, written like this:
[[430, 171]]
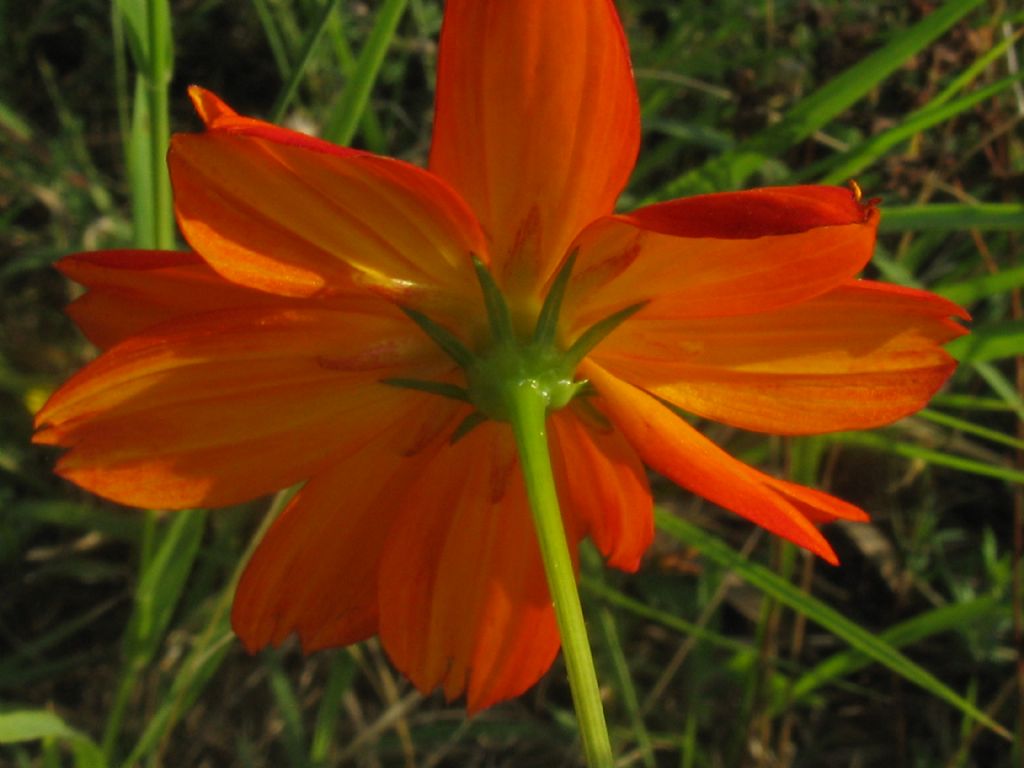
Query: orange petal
[[315, 571], [537, 123], [603, 483], [816, 506], [463, 599], [669, 445], [131, 290], [278, 211], [216, 408], [724, 254], [862, 355]]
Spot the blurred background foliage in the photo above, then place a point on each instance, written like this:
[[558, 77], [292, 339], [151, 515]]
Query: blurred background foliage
[[727, 649]]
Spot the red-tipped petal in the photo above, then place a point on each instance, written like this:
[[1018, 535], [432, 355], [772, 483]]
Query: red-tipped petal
[[815, 505], [278, 211], [719, 255], [537, 123], [131, 290], [672, 447], [463, 599], [862, 355]]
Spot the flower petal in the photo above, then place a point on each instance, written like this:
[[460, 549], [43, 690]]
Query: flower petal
[[315, 571], [131, 290], [723, 254], [537, 123], [816, 506], [278, 211], [669, 445], [862, 355], [216, 408], [463, 599], [603, 485]]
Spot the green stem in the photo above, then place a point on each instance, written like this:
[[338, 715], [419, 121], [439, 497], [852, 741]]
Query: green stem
[[527, 405], [158, 80]]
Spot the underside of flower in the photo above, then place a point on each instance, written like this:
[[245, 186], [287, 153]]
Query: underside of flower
[[513, 358], [279, 350]]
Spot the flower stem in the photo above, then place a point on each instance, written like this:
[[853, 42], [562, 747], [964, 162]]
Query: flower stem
[[527, 405]]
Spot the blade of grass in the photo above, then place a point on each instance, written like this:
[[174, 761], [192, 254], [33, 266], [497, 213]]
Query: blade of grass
[[952, 217], [370, 130], [946, 618], [970, 428], [644, 611], [206, 655], [294, 735], [974, 289], [991, 341], [732, 169], [882, 442], [609, 634], [22, 725], [309, 43], [867, 152], [26, 658], [821, 614], [339, 679], [14, 123], [274, 40], [148, 27], [156, 598], [970, 402], [80, 516], [342, 120], [1001, 386]]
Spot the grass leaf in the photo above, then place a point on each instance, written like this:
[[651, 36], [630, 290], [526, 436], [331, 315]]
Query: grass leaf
[[778, 588]]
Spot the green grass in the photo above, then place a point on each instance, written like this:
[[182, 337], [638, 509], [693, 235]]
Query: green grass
[[726, 649]]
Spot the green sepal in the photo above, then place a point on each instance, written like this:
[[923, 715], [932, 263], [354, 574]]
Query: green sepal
[[547, 321], [596, 333], [467, 425], [498, 312], [442, 388], [445, 339]]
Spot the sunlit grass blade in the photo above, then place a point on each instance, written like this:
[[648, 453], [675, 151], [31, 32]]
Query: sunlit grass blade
[[309, 43], [206, 654], [868, 152], [608, 633], [947, 618], [970, 402], [24, 725], [953, 217], [732, 169], [970, 428], [774, 586], [13, 123], [339, 679], [976, 288], [991, 341], [1001, 386], [148, 27], [156, 599], [910, 450], [343, 118]]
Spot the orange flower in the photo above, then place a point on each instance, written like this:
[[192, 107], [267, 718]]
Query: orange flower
[[274, 352]]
